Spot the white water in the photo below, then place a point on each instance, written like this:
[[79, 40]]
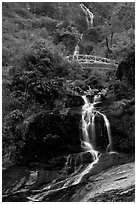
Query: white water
[[87, 144], [88, 140], [89, 20], [76, 51], [88, 122], [89, 16], [108, 128]]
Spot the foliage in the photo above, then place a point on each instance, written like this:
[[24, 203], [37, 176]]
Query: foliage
[[36, 39], [21, 23], [33, 87], [122, 90], [127, 68], [38, 76], [44, 8], [125, 11], [20, 31]]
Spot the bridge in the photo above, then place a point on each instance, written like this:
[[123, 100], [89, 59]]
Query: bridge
[[89, 60]]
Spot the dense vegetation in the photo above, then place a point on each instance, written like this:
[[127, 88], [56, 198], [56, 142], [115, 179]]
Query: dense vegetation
[[36, 74]]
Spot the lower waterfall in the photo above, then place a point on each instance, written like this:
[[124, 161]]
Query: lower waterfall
[[88, 140], [74, 170]]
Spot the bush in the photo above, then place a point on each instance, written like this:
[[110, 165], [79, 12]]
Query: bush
[[34, 86], [44, 22], [127, 68]]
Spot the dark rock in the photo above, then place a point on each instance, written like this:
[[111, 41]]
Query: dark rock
[[74, 101], [101, 140], [121, 141], [46, 132], [121, 115], [74, 161]]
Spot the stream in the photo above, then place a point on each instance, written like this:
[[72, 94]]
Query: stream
[[40, 184]]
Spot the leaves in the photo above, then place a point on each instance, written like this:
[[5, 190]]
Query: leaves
[[115, 25]]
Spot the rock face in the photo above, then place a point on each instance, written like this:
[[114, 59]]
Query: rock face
[[61, 131], [56, 132], [114, 184], [102, 140], [52, 139], [122, 120], [111, 179]]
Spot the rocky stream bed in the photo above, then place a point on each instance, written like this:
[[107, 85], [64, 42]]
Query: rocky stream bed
[[111, 179], [53, 177]]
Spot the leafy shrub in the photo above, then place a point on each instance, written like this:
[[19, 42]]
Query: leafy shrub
[[44, 22], [43, 8], [34, 86], [127, 68], [5, 56]]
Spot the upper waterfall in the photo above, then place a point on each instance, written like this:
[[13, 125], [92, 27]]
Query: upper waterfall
[[89, 15]]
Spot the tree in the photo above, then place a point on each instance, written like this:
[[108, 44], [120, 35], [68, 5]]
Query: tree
[[125, 12], [127, 68], [115, 27]]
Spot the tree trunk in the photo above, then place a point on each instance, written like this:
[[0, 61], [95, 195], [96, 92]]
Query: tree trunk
[[107, 44], [111, 38]]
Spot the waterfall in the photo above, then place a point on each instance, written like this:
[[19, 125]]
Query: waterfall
[[88, 140], [87, 113], [89, 16], [88, 123], [74, 170], [108, 128], [89, 20], [76, 51]]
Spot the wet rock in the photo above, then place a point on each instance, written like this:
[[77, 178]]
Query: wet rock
[[97, 98], [86, 157], [112, 172], [71, 161], [101, 140]]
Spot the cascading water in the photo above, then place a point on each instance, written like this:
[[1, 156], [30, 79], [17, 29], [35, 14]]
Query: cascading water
[[89, 112], [76, 51], [89, 19], [78, 165], [89, 16], [108, 128], [88, 126]]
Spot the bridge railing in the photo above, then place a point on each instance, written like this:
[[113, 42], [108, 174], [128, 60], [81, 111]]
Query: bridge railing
[[90, 59]]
